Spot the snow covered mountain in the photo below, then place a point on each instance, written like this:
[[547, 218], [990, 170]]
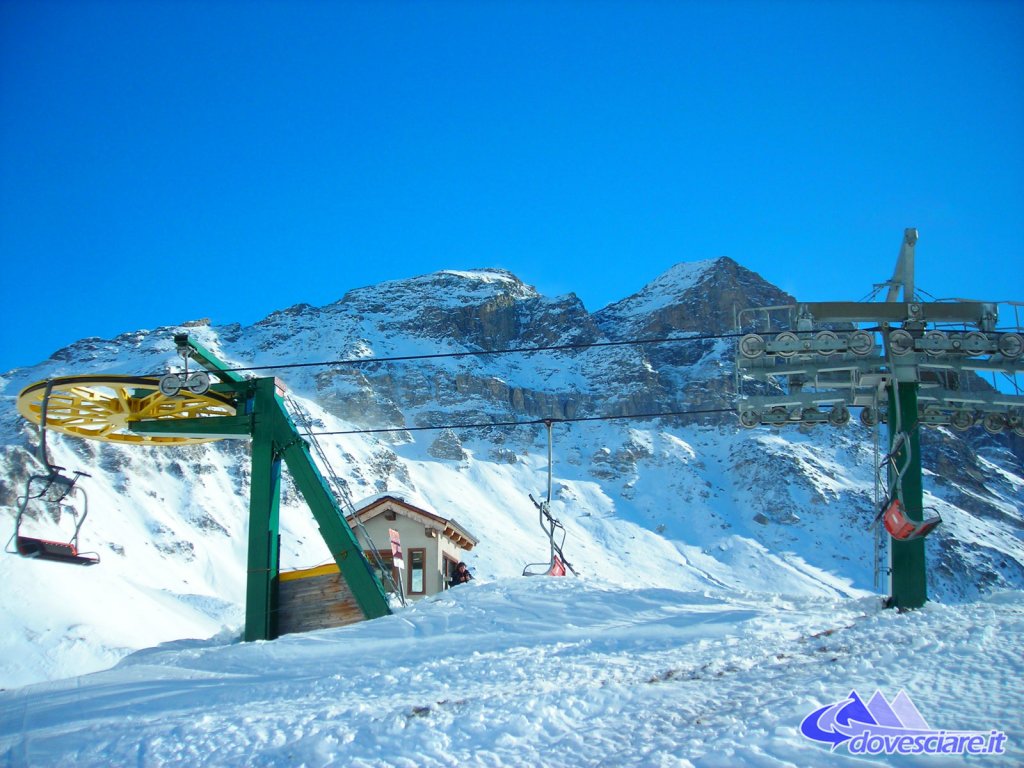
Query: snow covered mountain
[[678, 503]]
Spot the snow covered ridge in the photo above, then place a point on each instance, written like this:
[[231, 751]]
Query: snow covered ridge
[[538, 672], [666, 288], [671, 504]]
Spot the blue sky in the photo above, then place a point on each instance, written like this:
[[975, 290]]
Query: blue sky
[[163, 161]]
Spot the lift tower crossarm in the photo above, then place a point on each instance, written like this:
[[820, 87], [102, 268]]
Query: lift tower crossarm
[[979, 313]]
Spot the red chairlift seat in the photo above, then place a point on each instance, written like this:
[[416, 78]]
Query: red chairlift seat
[[52, 489], [57, 551], [902, 528]]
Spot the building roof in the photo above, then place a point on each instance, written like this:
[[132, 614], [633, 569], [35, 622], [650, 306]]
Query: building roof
[[376, 505]]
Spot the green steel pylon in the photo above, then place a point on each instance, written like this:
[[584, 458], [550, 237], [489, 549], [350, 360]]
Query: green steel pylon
[[261, 416], [907, 558]]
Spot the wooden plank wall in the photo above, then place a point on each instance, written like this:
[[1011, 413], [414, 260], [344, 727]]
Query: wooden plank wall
[[315, 602]]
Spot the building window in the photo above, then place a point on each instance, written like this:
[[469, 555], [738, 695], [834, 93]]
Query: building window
[[417, 571]]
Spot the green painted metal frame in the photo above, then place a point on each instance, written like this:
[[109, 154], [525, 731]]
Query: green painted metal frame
[[907, 558], [208, 360], [261, 415]]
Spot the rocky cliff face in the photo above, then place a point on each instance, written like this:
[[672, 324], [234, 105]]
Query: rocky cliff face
[[490, 310], [701, 297]]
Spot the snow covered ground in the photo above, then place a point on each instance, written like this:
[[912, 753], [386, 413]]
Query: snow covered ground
[[539, 672]]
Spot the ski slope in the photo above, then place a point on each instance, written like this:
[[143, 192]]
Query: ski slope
[[538, 672]]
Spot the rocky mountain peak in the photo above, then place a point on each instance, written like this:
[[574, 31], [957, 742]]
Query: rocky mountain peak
[[447, 287], [700, 297]]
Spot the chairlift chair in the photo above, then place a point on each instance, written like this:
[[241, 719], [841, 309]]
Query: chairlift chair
[[57, 491], [893, 513], [557, 564], [902, 528]]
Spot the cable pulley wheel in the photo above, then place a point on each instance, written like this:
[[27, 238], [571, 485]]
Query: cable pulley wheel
[[868, 416], [749, 418], [828, 342], [961, 420], [170, 385], [936, 343], [787, 344], [994, 423], [752, 345], [103, 407], [975, 343], [1011, 345], [839, 415], [901, 342], [198, 383], [861, 343]]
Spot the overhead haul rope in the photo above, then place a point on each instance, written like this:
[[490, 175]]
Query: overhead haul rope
[[486, 352], [523, 350], [528, 423]]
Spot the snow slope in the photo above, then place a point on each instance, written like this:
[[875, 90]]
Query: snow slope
[[538, 672]]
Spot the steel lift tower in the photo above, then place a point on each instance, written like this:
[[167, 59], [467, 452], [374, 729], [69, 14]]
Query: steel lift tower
[[190, 407], [904, 363]]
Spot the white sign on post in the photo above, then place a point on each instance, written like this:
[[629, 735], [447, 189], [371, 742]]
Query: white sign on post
[[396, 548]]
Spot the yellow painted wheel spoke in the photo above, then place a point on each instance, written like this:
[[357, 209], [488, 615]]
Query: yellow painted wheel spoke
[[102, 407]]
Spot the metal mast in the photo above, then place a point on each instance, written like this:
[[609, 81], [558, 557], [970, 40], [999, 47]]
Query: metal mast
[[810, 363]]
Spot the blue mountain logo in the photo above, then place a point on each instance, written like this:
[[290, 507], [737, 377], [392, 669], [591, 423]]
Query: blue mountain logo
[[895, 727]]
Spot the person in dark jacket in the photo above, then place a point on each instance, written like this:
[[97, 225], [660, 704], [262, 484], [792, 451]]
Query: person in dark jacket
[[461, 575]]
